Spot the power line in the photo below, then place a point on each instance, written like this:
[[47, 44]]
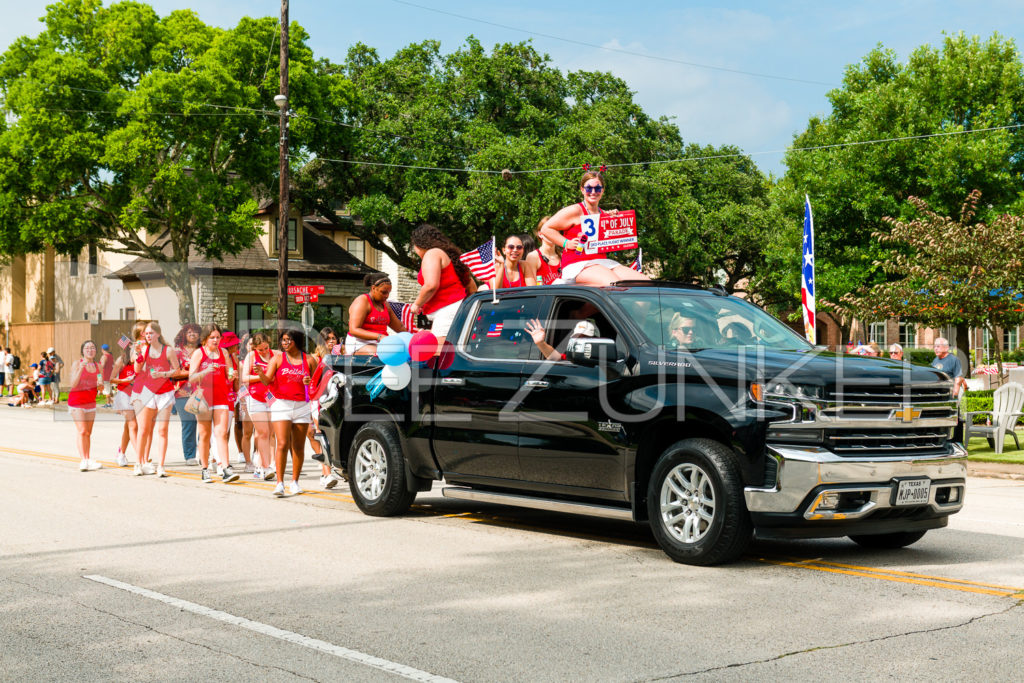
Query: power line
[[612, 49]]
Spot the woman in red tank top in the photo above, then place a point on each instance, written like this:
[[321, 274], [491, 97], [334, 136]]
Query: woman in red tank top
[[564, 229], [369, 317], [85, 374], [212, 370], [256, 361], [515, 272], [154, 396], [444, 280], [290, 373], [545, 259], [123, 382]]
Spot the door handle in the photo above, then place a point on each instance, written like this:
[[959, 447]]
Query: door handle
[[453, 381], [536, 383]]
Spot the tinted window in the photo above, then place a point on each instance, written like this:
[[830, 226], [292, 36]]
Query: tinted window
[[496, 330]]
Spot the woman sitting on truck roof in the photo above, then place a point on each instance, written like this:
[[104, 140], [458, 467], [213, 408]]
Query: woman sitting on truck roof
[[444, 280], [546, 259], [515, 271], [564, 229], [369, 317]]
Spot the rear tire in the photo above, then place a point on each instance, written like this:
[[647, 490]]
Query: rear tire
[[695, 503], [900, 539], [376, 469]]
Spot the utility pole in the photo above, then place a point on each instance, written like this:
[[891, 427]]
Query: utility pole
[[281, 100]]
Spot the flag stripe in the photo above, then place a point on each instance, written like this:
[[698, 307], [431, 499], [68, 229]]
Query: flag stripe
[[480, 261], [807, 274]]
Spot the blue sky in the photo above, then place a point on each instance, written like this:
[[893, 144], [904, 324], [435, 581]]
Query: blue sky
[[794, 39]]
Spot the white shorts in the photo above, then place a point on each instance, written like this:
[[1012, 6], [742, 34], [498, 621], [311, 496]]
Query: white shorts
[[79, 412], [147, 399], [353, 344], [296, 412], [255, 406], [122, 402], [441, 319], [573, 270]]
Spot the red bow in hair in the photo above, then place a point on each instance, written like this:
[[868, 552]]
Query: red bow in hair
[[604, 168], [586, 167]]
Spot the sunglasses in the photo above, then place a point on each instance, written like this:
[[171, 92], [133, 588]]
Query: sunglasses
[[686, 330], [514, 247], [593, 188]]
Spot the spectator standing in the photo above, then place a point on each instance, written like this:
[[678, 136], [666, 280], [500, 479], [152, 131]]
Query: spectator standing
[[58, 366], [896, 352], [3, 372], [185, 344], [10, 371], [948, 363], [85, 377], [44, 377]]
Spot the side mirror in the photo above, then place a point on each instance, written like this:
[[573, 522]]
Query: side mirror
[[591, 351]]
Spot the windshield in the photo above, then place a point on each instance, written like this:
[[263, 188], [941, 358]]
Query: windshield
[[683, 320]]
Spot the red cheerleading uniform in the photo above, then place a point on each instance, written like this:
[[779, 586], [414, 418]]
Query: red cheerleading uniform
[[181, 387], [570, 256], [158, 385], [128, 373], [449, 290], [377, 320], [83, 394], [288, 384], [216, 387], [547, 272], [521, 282], [258, 390]]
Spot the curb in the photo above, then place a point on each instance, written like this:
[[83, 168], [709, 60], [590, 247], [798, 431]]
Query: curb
[[995, 470]]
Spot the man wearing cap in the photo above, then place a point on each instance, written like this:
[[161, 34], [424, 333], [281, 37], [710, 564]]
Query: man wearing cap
[[584, 328], [58, 364]]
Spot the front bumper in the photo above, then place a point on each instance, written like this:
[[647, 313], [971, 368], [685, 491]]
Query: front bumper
[[810, 480]]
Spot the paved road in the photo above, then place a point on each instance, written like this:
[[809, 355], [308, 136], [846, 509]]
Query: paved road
[[107, 576]]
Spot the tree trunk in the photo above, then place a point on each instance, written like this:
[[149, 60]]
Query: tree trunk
[[963, 347], [177, 276]]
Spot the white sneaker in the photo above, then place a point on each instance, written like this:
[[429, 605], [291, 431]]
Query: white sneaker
[[293, 488], [88, 465], [161, 472], [83, 466], [249, 468], [329, 481], [137, 470], [269, 474], [257, 475], [279, 490], [220, 470], [121, 460], [240, 459], [147, 468]]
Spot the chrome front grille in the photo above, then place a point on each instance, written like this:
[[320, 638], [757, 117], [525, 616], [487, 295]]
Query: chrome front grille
[[888, 441], [887, 393]]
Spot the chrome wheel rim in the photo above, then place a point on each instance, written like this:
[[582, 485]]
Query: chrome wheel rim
[[687, 503], [371, 469]]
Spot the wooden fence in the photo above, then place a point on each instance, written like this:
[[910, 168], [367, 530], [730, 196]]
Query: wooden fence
[[29, 340]]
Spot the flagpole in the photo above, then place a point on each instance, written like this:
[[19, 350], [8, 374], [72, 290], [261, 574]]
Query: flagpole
[[494, 260]]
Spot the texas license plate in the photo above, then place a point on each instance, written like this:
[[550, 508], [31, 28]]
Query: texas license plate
[[912, 492]]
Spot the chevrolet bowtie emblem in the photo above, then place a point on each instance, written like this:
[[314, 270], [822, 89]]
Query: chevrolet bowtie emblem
[[907, 414]]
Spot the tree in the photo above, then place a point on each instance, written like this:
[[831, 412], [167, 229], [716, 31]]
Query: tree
[[967, 85], [950, 272], [149, 136]]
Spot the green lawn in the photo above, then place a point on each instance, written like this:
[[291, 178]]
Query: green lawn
[[979, 450]]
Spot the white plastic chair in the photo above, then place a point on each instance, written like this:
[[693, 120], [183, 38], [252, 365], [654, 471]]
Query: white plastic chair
[[1007, 402]]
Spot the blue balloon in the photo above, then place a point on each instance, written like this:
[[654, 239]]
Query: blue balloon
[[392, 351], [405, 337]]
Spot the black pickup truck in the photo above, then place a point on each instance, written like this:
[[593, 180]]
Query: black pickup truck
[[695, 412]]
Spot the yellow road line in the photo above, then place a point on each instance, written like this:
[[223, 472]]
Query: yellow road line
[[912, 575]]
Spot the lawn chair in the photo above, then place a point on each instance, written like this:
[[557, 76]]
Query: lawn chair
[[1007, 402]]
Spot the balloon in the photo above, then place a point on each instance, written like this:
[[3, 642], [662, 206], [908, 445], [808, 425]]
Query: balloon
[[445, 358], [405, 337], [396, 376], [423, 345], [391, 351]]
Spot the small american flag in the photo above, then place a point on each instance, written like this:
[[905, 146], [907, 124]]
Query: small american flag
[[638, 262], [124, 342], [481, 260], [495, 329], [404, 313]]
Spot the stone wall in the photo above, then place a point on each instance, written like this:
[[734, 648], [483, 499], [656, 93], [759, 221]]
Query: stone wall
[[217, 295]]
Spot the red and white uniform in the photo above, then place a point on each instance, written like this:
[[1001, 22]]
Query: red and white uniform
[[182, 389], [216, 387], [257, 399], [518, 282], [573, 262], [154, 392], [376, 321], [547, 272], [83, 394], [291, 393], [444, 304], [122, 392]]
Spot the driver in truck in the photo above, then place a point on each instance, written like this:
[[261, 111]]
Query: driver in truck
[[584, 328]]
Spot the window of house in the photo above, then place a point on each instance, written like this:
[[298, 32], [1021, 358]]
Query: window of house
[[93, 259], [876, 333], [74, 265], [908, 335], [293, 236], [129, 313], [1010, 339], [357, 248], [248, 316]]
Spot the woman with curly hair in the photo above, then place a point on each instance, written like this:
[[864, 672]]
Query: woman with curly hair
[[444, 280], [185, 344]]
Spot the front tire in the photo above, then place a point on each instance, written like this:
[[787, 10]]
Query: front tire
[[695, 503], [376, 469], [893, 541]]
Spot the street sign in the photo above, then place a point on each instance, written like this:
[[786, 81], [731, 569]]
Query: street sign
[[305, 289]]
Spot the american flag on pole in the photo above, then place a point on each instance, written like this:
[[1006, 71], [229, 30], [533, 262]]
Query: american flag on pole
[[638, 262], [124, 342], [807, 273], [404, 313], [481, 260]]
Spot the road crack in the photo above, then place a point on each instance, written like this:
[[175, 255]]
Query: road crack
[[152, 629], [868, 641]]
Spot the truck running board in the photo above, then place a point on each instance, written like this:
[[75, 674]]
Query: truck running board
[[537, 503]]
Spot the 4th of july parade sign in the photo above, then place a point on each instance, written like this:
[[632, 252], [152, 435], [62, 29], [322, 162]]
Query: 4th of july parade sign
[[606, 233]]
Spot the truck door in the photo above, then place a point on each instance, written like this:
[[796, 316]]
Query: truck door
[[476, 431], [565, 437]]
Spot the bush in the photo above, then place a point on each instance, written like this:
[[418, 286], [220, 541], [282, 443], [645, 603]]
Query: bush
[[919, 356]]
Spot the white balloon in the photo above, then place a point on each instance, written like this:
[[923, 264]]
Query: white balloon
[[396, 376]]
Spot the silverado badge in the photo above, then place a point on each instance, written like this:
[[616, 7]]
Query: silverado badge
[[613, 427], [906, 414]]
